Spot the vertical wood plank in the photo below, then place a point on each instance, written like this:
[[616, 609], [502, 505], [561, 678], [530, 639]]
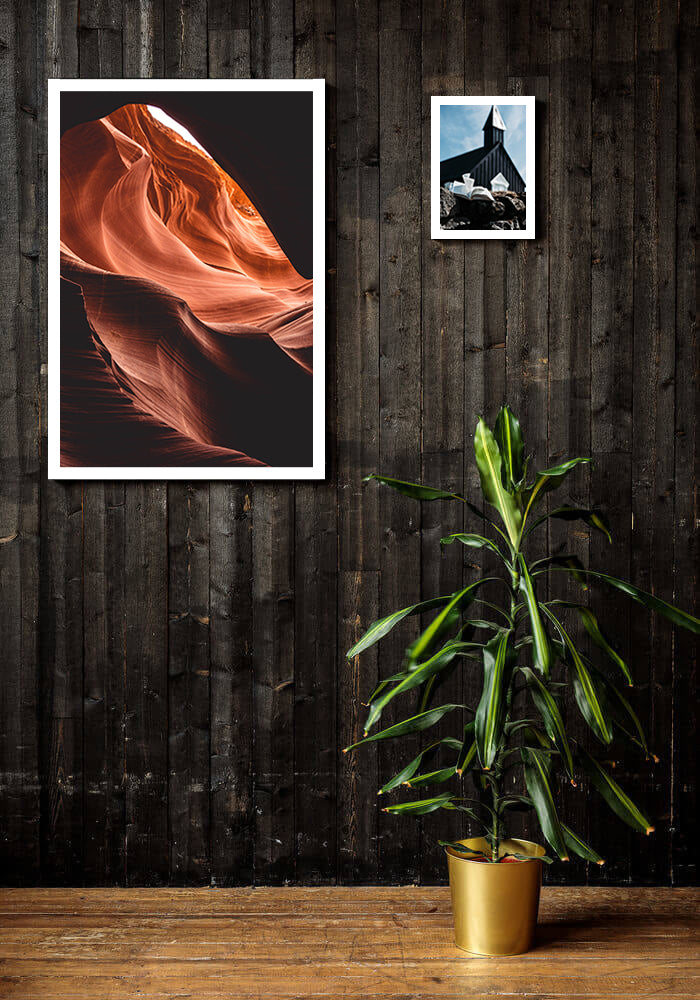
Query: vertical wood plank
[[527, 288], [272, 55], [656, 97], [188, 562], [684, 820], [20, 226], [399, 380], [612, 227], [442, 379], [100, 55], [147, 856], [570, 305], [316, 533], [231, 630], [357, 425], [61, 603], [274, 661]]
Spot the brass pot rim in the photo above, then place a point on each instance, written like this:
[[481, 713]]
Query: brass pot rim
[[473, 841]]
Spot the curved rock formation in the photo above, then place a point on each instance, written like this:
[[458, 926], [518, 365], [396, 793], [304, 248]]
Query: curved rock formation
[[186, 334]]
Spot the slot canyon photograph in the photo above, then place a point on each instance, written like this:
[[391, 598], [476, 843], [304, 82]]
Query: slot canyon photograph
[[184, 313]]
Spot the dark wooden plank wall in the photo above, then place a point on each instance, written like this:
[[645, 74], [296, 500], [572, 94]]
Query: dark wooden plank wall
[[174, 691]]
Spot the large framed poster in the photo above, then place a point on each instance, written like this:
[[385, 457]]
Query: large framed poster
[[186, 279]]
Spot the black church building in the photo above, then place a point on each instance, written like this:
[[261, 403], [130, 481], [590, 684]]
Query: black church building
[[487, 161]]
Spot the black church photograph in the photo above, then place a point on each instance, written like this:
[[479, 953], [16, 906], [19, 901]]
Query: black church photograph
[[482, 168]]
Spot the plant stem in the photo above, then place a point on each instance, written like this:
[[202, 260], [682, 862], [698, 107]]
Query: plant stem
[[496, 839]]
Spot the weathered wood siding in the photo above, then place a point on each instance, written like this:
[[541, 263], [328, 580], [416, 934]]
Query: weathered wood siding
[[174, 691]]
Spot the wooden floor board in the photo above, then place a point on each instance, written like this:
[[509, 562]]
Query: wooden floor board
[[393, 943]]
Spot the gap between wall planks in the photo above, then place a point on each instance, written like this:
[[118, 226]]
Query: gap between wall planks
[[174, 688]]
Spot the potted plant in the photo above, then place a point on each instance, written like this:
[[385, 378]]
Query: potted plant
[[523, 643]]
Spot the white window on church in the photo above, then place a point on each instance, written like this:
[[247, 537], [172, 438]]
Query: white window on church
[[499, 183]]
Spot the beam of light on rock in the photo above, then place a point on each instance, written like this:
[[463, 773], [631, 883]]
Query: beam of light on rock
[[164, 119]]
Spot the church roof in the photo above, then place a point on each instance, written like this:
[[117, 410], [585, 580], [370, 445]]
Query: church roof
[[495, 119]]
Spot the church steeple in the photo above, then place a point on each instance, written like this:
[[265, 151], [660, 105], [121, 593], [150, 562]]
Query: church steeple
[[494, 128]]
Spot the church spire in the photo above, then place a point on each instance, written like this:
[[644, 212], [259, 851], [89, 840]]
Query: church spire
[[494, 128]]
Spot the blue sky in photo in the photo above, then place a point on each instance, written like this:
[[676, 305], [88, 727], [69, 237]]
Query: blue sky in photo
[[461, 130]]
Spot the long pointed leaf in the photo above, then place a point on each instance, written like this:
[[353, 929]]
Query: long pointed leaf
[[444, 620], [592, 518], [419, 492], [550, 479], [410, 769], [488, 460], [579, 846], [538, 786], [572, 562], [623, 714], [551, 716], [499, 658], [419, 808], [587, 696], [674, 614], [416, 677], [590, 623], [432, 777], [468, 750], [542, 657], [619, 802], [474, 542], [416, 724], [382, 626], [510, 444]]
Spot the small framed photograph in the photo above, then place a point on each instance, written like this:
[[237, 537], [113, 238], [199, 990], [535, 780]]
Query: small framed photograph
[[482, 168]]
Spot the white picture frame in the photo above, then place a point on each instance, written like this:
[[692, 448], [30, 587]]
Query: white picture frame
[[481, 105], [313, 471]]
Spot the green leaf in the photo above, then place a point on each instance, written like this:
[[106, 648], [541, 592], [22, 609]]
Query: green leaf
[[418, 492], [519, 803], [542, 657], [569, 560], [585, 690], [415, 678], [498, 658], [536, 768], [467, 752], [579, 846], [444, 621], [461, 848], [410, 769], [528, 857], [551, 716], [623, 713], [550, 479], [674, 614], [432, 777], [416, 724], [592, 518], [488, 460], [510, 444], [382, 626], [618, 801], [474, 542], [419, 808], [591, 625], [414, 490]]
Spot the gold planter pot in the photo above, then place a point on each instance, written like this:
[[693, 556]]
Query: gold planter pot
[[495, 906]]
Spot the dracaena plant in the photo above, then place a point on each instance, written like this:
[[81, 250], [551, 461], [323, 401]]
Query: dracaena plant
[[522, 643]]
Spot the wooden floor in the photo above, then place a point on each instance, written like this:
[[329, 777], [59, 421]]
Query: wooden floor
[[292, 943]]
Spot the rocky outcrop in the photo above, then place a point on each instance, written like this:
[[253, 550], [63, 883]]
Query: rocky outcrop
[[506, 211]]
